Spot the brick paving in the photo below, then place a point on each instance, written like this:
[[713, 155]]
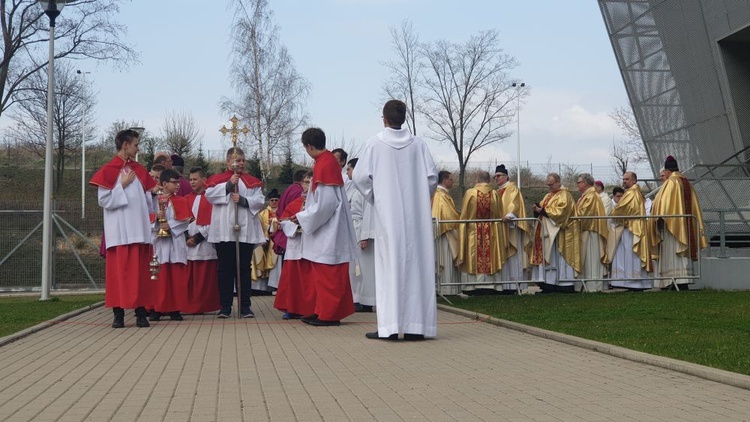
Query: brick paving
[[204, 369]]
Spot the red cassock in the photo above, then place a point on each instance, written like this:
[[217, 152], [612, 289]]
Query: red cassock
[[295, 294], [128, 283], [333, 293], [127, 276], [170, 289], [203, 283]]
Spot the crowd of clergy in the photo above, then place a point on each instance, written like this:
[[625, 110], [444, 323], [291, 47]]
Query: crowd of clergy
[[597, 242], [175, 246]]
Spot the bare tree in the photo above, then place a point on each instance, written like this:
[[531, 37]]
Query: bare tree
[[271, 94], [405, 71], [468, 94], [86, 30], [180, 133], [632, 147], [72, 103], [619, 158]]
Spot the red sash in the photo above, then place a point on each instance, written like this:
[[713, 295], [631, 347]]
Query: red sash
[[204, 209], [248, 180], [180, 207], [537, 255], [107, 175], [326, 171]]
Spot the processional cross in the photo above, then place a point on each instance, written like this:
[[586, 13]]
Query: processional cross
[[234, 130]]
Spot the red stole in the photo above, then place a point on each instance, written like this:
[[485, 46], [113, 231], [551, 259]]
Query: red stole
[[107, 175], [326, 171], [180, 207], [249, 181], [484, 247], [204, 209], [293, 208]]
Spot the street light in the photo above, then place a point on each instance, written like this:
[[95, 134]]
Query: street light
[[83, 145], [52, 9], [518, 87]]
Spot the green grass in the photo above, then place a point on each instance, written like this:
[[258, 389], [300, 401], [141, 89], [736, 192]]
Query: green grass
[[18, 313], [707, 327]]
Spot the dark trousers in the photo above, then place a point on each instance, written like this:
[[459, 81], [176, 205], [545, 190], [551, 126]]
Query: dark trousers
[[227, 254]]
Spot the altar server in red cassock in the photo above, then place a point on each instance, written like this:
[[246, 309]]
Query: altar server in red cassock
[[172, 220], [124, 194], [328, 240], [202, 288], [296, 294]]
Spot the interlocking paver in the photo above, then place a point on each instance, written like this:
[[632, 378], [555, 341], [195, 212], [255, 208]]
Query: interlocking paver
[[204, 369]]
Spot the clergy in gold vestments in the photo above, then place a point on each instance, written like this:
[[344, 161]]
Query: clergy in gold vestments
[[676, 240], [556, 254], [593, 233], [628, 241], [480, 256], [264, 277], [443, 208], [518, 246]]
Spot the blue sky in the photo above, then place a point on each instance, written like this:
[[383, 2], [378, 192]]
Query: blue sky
[[338, 45]]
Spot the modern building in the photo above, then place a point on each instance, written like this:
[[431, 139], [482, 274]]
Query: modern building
[[686, 68]]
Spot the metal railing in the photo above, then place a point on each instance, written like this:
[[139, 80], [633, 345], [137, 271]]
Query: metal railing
[[533, 222]]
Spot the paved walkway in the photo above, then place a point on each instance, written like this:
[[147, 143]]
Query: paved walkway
[[204, 369]]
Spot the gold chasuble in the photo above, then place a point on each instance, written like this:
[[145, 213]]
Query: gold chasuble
[[264, 258], [677, 196], [513, 203], [443, 208], [632, 203], [590, 205], [559, 207], [479, 249]]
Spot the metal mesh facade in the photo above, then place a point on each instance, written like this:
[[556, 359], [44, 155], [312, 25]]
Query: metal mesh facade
[[686, 68]]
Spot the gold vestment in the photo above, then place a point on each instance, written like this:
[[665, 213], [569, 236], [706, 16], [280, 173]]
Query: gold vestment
[[479, 249], [559, 207], [632, 203], [677, 196]]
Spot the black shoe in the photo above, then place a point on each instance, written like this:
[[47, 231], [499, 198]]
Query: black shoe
[[413, 337], [374, 336], [119, 321], [224, 313], [155, 316], [291, 315], [307, 319], [362, 308], [247, 313], [142, 322], [175, 316], [321, 323]]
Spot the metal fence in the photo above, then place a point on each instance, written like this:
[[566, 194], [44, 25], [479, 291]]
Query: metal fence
[[691, 273], [76, 263]]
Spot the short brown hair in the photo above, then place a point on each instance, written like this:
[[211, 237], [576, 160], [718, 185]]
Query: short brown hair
[[394, 112], [123, 136]]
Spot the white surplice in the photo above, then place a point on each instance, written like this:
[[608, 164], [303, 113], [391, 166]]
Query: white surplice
[[626, 264], [364, 291], [171, 250], [222, 216], [397, 174], [327, 230], [204, 251], [608, 203], [126, 219]]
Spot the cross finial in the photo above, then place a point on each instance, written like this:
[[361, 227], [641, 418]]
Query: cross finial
[[234, 130]]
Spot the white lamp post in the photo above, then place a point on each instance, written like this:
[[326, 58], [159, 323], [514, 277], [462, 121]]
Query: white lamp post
[[518, 87], [52, 9], [83, 147]]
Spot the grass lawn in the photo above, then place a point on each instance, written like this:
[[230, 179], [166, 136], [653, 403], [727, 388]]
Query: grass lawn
[[707, 327], [18, 313]]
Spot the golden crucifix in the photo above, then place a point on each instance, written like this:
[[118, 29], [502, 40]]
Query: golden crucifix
[[234, 130]]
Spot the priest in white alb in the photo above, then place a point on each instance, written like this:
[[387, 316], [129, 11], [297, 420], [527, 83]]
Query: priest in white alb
[[397, 175]]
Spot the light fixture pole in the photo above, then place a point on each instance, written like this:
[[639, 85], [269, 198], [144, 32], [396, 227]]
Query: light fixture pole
[[519, 86], [83, 144], [52, 9]]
